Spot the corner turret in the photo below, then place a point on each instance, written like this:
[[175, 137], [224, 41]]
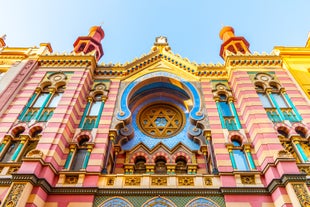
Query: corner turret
[[90, 43], [232, 43]]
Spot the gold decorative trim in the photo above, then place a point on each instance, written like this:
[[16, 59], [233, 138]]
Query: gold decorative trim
[[14, 195], [248, 179], [302, 194], [132, 181], [186, 181], [162, 181], [71, 179]]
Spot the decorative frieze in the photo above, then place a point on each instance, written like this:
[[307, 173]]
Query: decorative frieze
[[14, 195], [162, 181], [132, 181], [302, 194]]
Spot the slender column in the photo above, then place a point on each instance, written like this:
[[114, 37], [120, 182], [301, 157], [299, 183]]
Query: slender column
[[51, 92], [89, 101], [247, 150], [233, 109], [204, 150], [220, 112], [287, 98], [69, 158], [231, 155], [117, 149], [37, 91], [300, 150], [112, 137], [87, 156], [100, 112], [19, 148], [207, 134], [275, 104]]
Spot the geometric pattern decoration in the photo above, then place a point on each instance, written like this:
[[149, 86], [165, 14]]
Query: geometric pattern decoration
[[161, 120], [116, 202], [201, 202]]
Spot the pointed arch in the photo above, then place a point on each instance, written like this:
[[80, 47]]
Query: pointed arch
[[201, 202], [116, 201], [160, 201]]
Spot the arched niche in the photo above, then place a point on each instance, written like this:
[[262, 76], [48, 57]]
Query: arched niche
[[168, 80]]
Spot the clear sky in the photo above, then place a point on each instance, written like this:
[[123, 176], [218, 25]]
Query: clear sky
[[130, 26]]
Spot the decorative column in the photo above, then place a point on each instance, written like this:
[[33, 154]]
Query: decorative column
[[51, 92], [207, 134], [274, 103], [19, 148], [192, 169], [300, 152], [90, 147], [289, 101], [33, 97], [171, 169], [247, 150], [89, 101], [150, 168], [100, 111], [231, 155], [129, 169], [217, 99], [72, 148], [204, 150], [112, 137], [233, 109]]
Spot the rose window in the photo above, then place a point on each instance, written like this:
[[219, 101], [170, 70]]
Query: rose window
[[161, 120]]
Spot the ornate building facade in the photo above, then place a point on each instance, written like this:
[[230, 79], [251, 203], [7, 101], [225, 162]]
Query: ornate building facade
[[158, 131]]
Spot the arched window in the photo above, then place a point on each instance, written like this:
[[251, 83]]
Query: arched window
[[181, 165], [92, 112], [140, 165], [78, 160], [225, 106], [240, 156], [297, 146], [301, 131], [8, 155], [80, 155], [275, 100], [46, 98], [160, 165]]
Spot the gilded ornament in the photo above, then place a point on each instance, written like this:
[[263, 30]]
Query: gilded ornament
[[161, 120], [186, 181], [248, 179], [159, 181], [302, 194], [71, 179], [132, 181]]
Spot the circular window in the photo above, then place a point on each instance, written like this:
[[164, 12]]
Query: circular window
[[160, 120]]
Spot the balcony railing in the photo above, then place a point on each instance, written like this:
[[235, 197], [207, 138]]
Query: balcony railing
[[230, 123], [287, 113], [89, 122]]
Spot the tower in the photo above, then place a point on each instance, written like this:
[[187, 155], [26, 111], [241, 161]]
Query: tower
[[232, 43], [2, 42], [91, 42]]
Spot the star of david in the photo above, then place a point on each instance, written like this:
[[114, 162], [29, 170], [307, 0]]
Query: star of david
[[161, 120]]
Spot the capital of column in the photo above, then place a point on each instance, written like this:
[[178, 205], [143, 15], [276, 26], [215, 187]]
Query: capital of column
[[112, 135]]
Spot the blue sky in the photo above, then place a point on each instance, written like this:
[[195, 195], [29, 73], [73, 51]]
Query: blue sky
[[192, 27]]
